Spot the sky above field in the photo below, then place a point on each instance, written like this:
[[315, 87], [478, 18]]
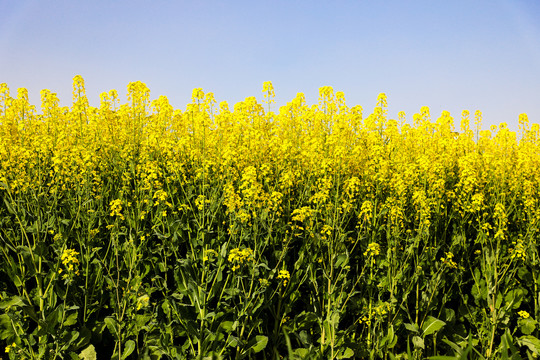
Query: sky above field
[[448, 55]]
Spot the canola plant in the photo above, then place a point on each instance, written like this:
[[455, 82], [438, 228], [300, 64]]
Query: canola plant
[[138, 230]]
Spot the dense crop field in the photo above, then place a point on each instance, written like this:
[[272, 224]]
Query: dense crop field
[[143, 232]]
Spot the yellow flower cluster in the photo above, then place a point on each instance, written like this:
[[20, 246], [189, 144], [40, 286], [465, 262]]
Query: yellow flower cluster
[[239, 256], [523, 314], [373, 249], [366, 211], [519, 251], [70, 262], [448, 260], [210, 254], [160, 196], [302, 214], [377, 313], [10, 347], [201, 202], [285, 276], [269, 94], [116, 208], [143, 301]]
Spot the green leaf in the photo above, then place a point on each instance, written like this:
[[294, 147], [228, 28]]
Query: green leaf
[[71, 319], [260, 343], [227, 326], [527, 325], [233, 341], [456, 347], [391, 337], [54, 318], [300, 353], [514, 298], [531, 342], [327, 331], [13, 301], [141, 320], [128, 348], [89, 353], [449, 314], [340, 260], [418, 342], [17, 280], [112, 325], [432, 325], [6, 328], [411, 327], [507, 343], [347, 354]]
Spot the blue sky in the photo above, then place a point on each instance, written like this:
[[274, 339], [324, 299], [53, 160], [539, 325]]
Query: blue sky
[[448, 55]]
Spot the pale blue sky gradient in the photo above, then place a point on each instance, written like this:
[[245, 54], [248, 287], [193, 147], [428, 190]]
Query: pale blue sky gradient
[[448, 55]]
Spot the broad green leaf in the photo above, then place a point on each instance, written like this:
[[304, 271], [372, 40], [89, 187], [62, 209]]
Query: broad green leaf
[[226, 325], [347, 354], [411, 327], [507, 343], [432, 325], [128, 348], [514, 298], [54, 318], [89, 353], [211, 356], [233, 341], [112, 325], [142, 320], [531, 342], [13, 301], [71, 319], [418, 342], [449, 314], [6, 328], [260, 343], [300, 353], [527, 325], [327, 331]]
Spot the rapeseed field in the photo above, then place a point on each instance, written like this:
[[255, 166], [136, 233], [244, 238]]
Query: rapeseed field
[[139, 231]]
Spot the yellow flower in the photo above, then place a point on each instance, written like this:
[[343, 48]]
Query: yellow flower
[[268, 90], [519, 251], [302, 214], [366, 210], [238, 256], [372, 250], [9, 347], [143, 301], [116, 208], [209, 254], [448, 260], [70, 262], [160, 195], [284, 275], [523, 314]]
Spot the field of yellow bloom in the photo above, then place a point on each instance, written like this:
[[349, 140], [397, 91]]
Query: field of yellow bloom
[[140, 231]]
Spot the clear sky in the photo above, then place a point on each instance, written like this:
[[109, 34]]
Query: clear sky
[[448, 55]]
